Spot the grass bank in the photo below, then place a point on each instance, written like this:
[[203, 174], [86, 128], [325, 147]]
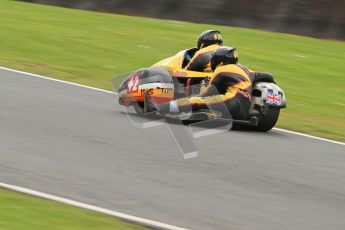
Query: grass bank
[[18, 212]]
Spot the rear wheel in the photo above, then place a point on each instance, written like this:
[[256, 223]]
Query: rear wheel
[[268, 121]]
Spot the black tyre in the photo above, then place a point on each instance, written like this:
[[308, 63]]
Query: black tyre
[[139, 108], [267, 122]]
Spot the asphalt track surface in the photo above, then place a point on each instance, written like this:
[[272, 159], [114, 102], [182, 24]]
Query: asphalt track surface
[[73, 142]]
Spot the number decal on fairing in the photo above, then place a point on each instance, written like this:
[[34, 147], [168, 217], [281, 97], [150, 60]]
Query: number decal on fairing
[[133, 84]]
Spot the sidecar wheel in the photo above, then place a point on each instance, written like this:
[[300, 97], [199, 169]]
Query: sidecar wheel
[[139, 108]]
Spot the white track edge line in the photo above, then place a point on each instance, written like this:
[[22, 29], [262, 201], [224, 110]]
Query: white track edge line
[[119, 215], [310, 136], [107, 91]]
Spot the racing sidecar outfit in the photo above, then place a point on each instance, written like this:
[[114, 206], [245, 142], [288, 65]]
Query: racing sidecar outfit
[[230, 85]]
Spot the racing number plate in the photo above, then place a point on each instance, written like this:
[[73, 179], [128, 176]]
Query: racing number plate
[[133, 84]]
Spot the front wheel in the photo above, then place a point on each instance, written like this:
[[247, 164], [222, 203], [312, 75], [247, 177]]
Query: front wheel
[[268, 121], [138, 107]]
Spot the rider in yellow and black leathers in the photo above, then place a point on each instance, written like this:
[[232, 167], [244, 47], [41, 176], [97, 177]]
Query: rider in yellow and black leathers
[[208, 42], [230, 85]]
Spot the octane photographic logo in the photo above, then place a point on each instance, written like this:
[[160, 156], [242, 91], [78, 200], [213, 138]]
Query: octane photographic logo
[[183, 128]]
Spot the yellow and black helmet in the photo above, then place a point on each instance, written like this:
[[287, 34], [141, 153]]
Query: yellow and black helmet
[[209, 37], [224, 56]]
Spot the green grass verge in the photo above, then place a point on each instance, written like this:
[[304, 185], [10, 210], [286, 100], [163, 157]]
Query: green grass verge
[[89, 48], [19, 211]]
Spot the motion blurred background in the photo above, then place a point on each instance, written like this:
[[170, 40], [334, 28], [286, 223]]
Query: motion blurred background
[[316, 18], [302, 181]]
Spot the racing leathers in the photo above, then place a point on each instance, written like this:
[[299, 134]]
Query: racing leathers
[[201, 59], [230, 85]]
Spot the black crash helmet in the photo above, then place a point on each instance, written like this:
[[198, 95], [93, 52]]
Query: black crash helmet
[[209, 37], [224, 56]]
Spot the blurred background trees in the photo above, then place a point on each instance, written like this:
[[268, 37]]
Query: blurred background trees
[[317, 18]]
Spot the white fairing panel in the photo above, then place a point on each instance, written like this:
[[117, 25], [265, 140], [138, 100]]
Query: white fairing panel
[[271, 95]]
